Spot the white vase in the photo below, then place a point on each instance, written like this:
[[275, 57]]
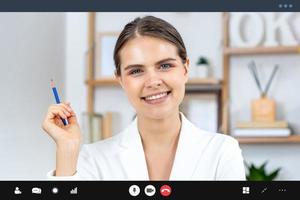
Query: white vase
[[201, 71]]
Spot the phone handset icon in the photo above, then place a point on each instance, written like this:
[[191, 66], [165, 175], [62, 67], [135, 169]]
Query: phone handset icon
[[165, 190]]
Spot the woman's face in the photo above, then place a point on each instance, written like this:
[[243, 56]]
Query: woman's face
[[153, 76]]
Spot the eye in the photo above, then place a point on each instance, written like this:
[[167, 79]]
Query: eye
[[135, 71], [165, 66]]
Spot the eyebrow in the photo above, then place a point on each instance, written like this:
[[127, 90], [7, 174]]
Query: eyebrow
[[157, 63]]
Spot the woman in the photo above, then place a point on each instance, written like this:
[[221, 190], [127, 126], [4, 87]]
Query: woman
[[160, 144]]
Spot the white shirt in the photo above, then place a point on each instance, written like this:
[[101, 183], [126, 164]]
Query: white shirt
[[200, 155]]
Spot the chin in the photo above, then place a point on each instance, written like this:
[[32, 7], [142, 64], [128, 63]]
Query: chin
[[158, 114]]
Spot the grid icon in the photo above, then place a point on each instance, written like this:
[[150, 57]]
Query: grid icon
[[246, 190]]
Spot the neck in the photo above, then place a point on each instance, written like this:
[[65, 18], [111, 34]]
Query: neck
[[159, 133]]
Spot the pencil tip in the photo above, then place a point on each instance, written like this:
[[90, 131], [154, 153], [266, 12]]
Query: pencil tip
[[52, 83]]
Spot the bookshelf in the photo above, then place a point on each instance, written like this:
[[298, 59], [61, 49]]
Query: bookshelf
[[228, 53], [212, 86]]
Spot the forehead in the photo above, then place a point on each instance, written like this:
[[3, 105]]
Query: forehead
[[145, 49]]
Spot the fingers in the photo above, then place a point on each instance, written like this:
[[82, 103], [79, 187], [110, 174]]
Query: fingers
[[57, 111], [64, 111], [55, 115], [53, 124], [72, 119], [67, 106]]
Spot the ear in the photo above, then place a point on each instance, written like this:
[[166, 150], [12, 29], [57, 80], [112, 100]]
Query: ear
[[119, 78], [187, 69]]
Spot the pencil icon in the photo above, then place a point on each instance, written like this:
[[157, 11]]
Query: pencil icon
[[65, 122]]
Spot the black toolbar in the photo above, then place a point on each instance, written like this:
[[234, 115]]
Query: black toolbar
[[148, 189]]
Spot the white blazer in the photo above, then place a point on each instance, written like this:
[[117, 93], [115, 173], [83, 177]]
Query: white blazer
[[200, 155]]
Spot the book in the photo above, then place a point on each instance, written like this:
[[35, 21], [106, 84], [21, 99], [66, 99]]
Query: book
[[107, 125], [96, 128], [92, 127], [253, 124], [262, 132]]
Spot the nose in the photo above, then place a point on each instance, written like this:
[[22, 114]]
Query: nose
[[153, 81]]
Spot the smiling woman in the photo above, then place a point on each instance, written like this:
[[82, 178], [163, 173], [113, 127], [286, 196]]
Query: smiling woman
[[149, 73], [160, 144]]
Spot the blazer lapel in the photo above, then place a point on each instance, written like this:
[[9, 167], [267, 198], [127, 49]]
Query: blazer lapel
[[132, 156], [188, 152]]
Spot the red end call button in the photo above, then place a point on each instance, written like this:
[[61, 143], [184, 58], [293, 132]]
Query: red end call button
[[165, 190]]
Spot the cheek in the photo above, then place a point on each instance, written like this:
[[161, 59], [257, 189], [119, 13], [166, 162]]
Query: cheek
[[177, 80], [132, 89], [178, 85]]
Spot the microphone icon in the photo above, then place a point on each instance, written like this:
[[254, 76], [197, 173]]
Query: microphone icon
[[134, 190]]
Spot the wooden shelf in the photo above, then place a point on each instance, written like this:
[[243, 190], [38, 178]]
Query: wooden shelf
[[269, 140], [262, 50], [203, 86], [103, 82], [204, 81]]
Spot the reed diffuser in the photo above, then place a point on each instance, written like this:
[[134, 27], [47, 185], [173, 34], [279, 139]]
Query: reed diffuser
[[264, 108]]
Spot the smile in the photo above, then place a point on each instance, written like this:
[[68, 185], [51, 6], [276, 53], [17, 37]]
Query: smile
[[156, 98]]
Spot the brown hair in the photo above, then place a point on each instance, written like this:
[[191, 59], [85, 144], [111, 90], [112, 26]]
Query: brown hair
[[149, 26]]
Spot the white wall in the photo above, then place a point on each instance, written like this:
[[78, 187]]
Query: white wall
[[32, 52], [76, 47]]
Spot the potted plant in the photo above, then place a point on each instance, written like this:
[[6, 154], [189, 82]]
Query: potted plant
[[259, 173], [202, 65]]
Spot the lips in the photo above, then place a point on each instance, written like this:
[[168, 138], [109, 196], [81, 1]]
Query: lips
[[156, 96]]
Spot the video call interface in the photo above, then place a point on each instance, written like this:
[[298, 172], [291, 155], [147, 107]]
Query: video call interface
[[146, 102]]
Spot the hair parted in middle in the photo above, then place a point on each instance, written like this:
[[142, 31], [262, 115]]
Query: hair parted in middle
[[149, 26]]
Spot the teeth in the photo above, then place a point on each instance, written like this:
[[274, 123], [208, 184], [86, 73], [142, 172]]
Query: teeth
[[156, 96]]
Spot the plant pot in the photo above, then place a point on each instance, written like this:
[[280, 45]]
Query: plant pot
[[201, 71]]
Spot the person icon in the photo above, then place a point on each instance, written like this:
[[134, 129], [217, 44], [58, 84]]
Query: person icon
[[18, 191]]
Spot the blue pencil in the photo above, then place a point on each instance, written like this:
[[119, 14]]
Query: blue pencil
[[65, 122]]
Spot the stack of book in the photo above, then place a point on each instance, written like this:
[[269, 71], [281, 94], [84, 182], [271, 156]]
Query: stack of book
[[96, 126], [262, 129]]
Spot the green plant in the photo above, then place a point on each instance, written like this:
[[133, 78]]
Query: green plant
[[202, 61], [259, 173]]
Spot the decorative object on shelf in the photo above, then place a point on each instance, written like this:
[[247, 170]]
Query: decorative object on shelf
[[263, 109], [202, 67], [280, 24], [238, 21], [263, 122], [232, 48], [263, 29], [105, 43], [260, 173]]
